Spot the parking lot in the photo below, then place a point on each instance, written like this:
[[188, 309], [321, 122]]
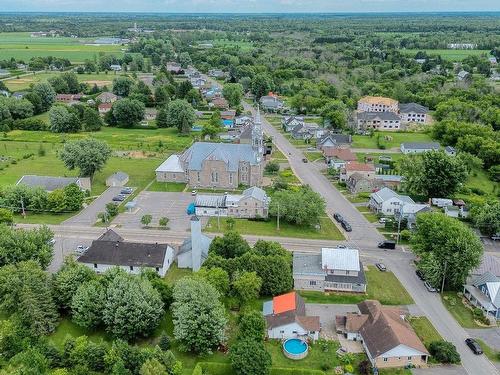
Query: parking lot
[[159, 204]]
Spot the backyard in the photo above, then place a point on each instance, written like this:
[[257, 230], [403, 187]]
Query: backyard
[[389, 140], [382, 286]]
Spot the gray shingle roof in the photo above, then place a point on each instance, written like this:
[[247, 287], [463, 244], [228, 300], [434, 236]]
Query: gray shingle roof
[[421, 145], [230, 153], [120, 176], [359, 279], [412, 108], [369, 116], [47, 182]]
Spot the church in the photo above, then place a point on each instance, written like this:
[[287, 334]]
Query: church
[[218, 165]]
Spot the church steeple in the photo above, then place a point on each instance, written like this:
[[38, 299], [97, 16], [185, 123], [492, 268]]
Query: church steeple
[[257, 134]]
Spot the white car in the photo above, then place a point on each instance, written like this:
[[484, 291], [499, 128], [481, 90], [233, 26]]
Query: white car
[[496, 237], [80, 249], [384, 220]]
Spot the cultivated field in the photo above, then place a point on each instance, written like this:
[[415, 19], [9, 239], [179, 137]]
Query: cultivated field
[[450, 54], [22, 46]]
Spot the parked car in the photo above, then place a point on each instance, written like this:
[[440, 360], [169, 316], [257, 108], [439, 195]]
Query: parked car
[[474, 346], [429, 287], [420, 274], [126, 190], [338, 217], [311, 149], [341, 247], [51, 242], [387, 245], [496, 237], [346, 226], [384, 220], [80, 249], [304, 160], [381, 267], [119, 198], [194, 192]]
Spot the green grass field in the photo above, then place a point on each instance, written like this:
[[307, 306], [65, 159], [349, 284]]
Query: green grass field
[[425, 330], [242, 45], [388, 139], [167, 186], [328, 230], [382, 286], [450, 54], [460, 312], [21, 46]]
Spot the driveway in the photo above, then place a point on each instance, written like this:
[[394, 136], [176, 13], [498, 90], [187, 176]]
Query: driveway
[[327, 313], [439, 370], [88, 216], [490, 336], [159, 204]]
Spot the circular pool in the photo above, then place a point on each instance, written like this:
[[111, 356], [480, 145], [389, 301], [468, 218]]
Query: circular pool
[[295, 348]]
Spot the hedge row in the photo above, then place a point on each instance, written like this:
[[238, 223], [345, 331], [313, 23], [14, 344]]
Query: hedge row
[[225, 369]]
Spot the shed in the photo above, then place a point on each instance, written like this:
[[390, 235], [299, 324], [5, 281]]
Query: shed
[[117, 179]]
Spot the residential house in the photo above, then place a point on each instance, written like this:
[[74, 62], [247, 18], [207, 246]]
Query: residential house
[[252, 203], [384, 121], [329, 140], [4, 93], [388, 339], [410, 211], [413, 112], [367, 170], [217, 165], [198, 82], [378, 104], [174, 68], [150, 114], [68, 98], [19, 95], [107, 97], [271, 103], [228, 115], [194, 250], [458, 212], [49, 183], [286, 318], [493, 60], [305, 131], [117, 179], [115, 67], [220, 103], [217, 73], [290, 122], [357, 183], [463, 75], [387, 201], [441, 202], [418, 147], [484, 292], [110, 250], [489, 263], [4, 72], [335, 269], [338, 157], [104, 108], [243, 120]]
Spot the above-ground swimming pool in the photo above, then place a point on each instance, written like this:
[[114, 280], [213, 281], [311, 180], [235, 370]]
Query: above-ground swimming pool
[[295, 348]]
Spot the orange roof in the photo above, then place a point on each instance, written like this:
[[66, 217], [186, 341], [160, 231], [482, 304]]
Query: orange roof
[[341, 153], [284, 303], [378, 100], [361, 167]]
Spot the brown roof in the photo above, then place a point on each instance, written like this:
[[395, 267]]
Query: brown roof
[[378, 100], [309, 323], [287, 317], [354, 322], [340, 153], [385, 329], [360, 167]]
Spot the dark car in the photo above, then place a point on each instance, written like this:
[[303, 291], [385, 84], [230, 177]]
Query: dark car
[[119, 198], [346, 226], [338, 217], [387, 245], [420, 274], [126, 190], [381, 267], [474, 346], [305, 160]]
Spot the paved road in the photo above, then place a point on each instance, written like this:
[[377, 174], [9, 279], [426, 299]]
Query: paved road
[[88, 216], [335, 201], [490, 336]]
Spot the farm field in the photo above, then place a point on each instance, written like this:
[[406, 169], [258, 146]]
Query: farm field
[[244, 46], [22, 46], [450, 54]]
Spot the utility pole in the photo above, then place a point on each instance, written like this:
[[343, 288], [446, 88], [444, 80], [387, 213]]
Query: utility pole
[[444, 275], [22, 208], [400, 213]]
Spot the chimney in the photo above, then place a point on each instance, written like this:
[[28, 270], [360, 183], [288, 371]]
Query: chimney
[[196, 243]]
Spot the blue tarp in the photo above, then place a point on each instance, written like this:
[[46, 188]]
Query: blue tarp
[[227, 123], [191, 209]]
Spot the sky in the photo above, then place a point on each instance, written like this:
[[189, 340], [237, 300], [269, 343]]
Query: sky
[[248, 6]]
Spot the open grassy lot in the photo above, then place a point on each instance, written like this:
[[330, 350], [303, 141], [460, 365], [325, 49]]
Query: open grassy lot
[[21, 46], [242, 45], [167, 186], [450, 54], [388, 139], [328, 230], [425, 330], [314, 155], [382, 286], [461, 313]]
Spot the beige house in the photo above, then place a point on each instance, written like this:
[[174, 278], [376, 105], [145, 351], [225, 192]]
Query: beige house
[[363, 169], [388, 339], [252, 203], [218, 165], [378, 104]]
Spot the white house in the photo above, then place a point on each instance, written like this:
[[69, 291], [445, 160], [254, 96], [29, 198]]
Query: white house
[[387, 201], [290, 122], [194, 250], [441, 202], [110, 250], [413, 112], [286, 318], [418, 147]]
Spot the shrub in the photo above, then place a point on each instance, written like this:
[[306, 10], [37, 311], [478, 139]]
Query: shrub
[[112, 209], [349, 368], [272, 167], [444, 352], [365, 367], [35, 124], [405, 235], [164, 342]]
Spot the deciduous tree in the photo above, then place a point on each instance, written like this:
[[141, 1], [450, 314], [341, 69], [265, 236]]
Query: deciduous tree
[[88, 155]]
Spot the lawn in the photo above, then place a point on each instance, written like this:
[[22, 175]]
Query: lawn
[[22, 47], [43, 218], [67, 328], [425, 330], [175, 273], [239, 44], [388, 139], [278, 156], [312, 156], [491, 353], [461, 313], [167, 186], [382, 286], [449, 54], [479, 182], [328, 230]]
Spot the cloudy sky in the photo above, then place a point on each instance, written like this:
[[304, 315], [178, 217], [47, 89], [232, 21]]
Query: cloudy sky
[[250, 6]]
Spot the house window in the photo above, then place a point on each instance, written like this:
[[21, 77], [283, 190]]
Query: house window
[[174, 176], [215, 177], [282, 331], [198, 176], [95, 265], [409, 358], [385, 359], [157, 269], [230, 178], [131, 268], [312, 282]]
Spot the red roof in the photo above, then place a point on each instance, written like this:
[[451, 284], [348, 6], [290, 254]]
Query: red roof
[[105, 106], [340, 153], [284, 303], [360, 167]]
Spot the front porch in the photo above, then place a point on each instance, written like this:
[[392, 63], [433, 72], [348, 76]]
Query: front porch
[[479, 300]]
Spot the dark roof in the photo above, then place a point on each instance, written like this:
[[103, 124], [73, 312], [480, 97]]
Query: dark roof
[[47, 182], [421, 145], [120, 176], [359, 279], [336, 138], [287, 317], [412, 108], [369, 116], [112, 250]]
